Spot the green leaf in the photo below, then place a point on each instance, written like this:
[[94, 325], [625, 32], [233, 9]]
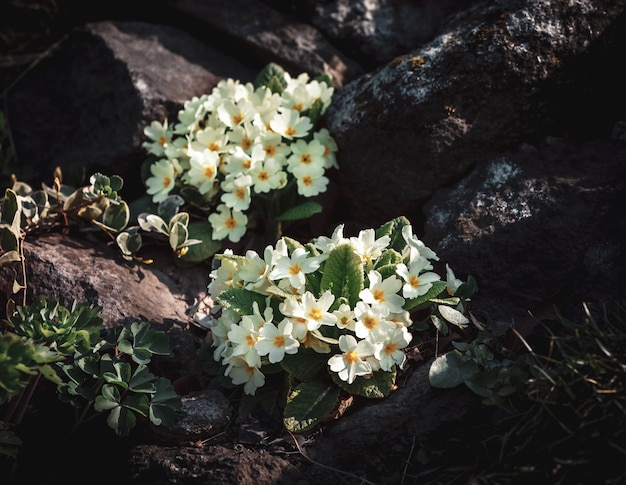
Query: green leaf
[[142, 341], [142, 380], [196, 253], [108, 399], [116, 216], [137, 403], [377, 386], [343, 274], [393, 229], [240, 300], [450, 370], [308, 403], [272, 76], [305, 364], [302, 211], [121, 420], [120, 376], [453, 316], [165, 403], [434, 292]]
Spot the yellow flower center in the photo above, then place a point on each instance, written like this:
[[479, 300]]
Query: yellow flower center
[[351, 357], [270, 150], [166, 182], [290, 131], [263, 176], [230, 223], [305, 158], [315, 314], [162, 141], [294, 269], [214, 146], [209, 172], [390, 348], [326, 151], [246, 143], [237, 118], [240, 193], [306, 180], [370, 322], [247, 164], [414, 281], [250, 340], [379, 295], [279, 341]]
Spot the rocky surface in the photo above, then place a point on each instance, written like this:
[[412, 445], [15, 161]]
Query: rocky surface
[[496, 127]]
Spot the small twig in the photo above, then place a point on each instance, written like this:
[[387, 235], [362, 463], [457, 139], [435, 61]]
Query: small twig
[[408, 460], [301, 451]]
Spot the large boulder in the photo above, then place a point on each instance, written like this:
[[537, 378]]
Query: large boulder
[[500, 74]]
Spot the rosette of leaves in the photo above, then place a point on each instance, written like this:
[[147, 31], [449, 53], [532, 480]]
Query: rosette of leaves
[[114, 376], [62, 329]]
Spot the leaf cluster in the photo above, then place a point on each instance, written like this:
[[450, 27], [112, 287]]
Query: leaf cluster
[[308, 391], [96, 370]]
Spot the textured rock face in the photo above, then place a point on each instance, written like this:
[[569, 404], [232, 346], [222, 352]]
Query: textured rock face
[[496, 131], [488, 83]]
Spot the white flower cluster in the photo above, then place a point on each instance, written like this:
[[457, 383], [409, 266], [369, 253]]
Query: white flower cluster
[[373, 333], [239, 141]]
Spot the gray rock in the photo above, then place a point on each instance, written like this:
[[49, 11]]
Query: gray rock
[[491, 81]]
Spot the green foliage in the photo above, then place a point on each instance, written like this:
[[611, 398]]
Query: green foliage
[[64, 330], [115, 377], [317, 313], [94, 368], [482, 364]]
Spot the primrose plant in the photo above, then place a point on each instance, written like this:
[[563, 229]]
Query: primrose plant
[[245, 155], [335, 315]]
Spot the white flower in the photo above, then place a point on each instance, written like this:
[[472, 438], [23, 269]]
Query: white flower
[[327, 244], [255, 270], [223, 277], [383, 292], [367, 246], [371, 321], [413, 242], [241, 372], [162, 181], [242, 338], [330, 147], [211, 138], [416, 282], [233, 113], [351, 363], [275, 342], [389, 351], [203, 169], [345, 317], [303, 153], [289, 124], [452, 281], [236, 193], [310, 179], [240, 161], [274, 147], [267, 175], [226, 223], [313, 312], [160, 135], [295, 267]]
